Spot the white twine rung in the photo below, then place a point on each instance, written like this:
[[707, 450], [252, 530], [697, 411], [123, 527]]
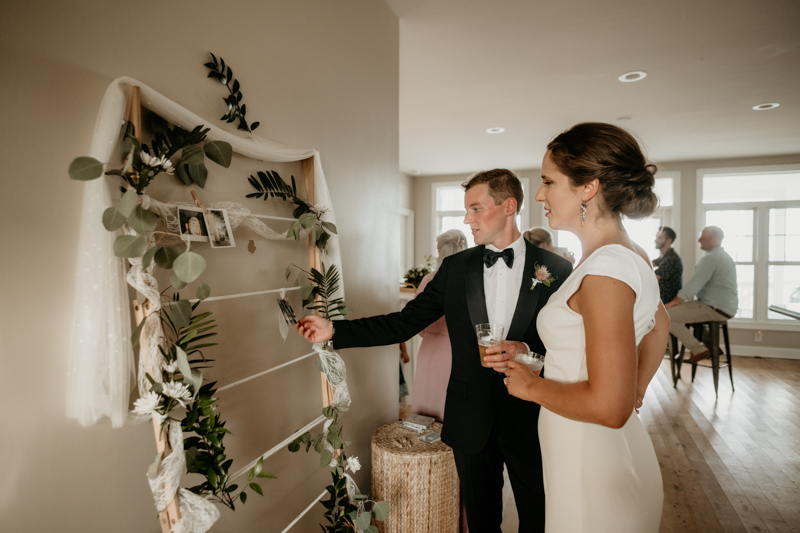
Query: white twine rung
[[281, 445], [254, 376]]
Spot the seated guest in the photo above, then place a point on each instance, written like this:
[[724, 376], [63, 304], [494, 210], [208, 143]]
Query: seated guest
[[669, 268], [542, 238], [714, 284]]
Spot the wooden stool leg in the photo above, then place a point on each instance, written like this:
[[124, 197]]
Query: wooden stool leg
[[728, 352], [714, 348], [672, 362], [697, 329]]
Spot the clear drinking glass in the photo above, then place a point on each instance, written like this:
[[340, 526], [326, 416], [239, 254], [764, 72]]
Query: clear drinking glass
[[532, 360], [488, 335]]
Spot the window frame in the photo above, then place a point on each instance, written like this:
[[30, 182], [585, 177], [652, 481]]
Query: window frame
[[761, 230]]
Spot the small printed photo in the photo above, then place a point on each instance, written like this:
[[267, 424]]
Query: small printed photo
[[192, 224], [219, 228]]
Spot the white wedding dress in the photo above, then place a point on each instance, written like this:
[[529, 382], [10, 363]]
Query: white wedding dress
[[597, 479]]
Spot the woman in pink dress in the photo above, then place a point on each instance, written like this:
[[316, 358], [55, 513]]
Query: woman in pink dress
[[435, 357]]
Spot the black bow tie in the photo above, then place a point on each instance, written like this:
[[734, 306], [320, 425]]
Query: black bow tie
[[490, 257]]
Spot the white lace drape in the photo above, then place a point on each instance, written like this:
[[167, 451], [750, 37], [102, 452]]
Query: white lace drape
[[336, 375], [197, 514], [101, 359]]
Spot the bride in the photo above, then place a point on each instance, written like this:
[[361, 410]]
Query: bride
[[605, 331]]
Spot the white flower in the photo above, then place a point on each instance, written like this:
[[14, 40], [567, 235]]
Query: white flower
[[149, 160], [319, 209], [353, 464], [156, 162], [170, 368], [167, 164], [177, 391], [147, 404]]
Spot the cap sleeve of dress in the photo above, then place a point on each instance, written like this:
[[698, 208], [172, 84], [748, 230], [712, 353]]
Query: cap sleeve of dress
[[615, 261]]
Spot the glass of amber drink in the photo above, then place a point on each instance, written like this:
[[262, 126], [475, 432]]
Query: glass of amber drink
[[488, 335]]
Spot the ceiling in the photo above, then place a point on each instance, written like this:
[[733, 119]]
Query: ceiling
[[535, 68]]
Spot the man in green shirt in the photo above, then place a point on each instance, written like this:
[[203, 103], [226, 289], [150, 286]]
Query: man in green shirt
[[714, 285]]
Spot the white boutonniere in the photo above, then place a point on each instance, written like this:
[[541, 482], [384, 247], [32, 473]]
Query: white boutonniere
[[542, 275]]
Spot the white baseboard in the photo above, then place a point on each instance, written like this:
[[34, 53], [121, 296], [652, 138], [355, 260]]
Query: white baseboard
[[765, 351]]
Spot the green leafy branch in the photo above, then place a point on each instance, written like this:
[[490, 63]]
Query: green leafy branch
[[186, 336], [224, 74], [270, 185], [342, 513], [186, 265], [142, 163], [319, 290], [205, 452]]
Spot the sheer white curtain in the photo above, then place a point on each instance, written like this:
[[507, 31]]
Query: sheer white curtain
[[101, 367]]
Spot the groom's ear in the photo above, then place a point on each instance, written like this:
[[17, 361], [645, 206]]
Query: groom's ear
[[590, 190], [510, 206]]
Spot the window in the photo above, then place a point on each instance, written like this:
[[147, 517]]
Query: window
[[449, 212], [759, 211], [784, 260], [642, 232]]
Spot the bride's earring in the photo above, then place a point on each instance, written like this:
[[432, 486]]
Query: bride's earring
[[583, 213]]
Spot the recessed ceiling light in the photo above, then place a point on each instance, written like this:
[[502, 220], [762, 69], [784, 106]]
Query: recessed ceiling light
[[633, 76], [624, 118], [495, 130], [764, 107], [416, 172]]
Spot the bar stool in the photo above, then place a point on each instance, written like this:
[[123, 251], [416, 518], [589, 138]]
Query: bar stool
[[699, 328]]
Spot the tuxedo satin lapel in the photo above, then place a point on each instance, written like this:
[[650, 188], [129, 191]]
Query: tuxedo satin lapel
[[528, 299], [476, 296]]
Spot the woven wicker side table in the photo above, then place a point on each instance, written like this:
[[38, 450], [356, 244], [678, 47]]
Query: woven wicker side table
[[417, 479]]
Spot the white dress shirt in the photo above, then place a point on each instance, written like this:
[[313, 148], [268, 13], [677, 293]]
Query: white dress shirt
[[501, 286]]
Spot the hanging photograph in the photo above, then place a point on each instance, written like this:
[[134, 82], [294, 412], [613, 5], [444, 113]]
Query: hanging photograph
[[219, 228], [192, 224]]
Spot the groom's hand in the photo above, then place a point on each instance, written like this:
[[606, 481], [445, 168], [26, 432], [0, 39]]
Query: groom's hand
[[497, 357], [315, 328]]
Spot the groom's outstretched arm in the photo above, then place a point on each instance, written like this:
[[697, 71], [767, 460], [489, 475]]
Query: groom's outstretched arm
[[381, 330]]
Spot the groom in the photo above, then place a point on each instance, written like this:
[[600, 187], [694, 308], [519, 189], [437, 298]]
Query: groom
[[485, 426]]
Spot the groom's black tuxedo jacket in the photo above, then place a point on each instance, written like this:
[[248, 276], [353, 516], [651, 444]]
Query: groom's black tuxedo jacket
[[474, 394]]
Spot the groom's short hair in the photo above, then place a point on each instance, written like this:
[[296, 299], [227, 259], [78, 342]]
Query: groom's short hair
[[502, 183]]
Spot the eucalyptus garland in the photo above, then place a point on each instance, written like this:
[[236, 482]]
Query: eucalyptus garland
[[343, 514], [185, 334], [270, 185], [343, 511], [185, 338]]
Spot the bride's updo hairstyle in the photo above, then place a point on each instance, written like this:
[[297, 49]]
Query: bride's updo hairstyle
[[594, 150]]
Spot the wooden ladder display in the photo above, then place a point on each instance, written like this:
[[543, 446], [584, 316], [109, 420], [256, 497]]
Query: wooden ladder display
[[172, 514], [315, 261]]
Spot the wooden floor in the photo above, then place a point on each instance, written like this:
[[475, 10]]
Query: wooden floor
[[730, 464]]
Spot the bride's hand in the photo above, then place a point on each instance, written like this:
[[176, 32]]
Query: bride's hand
[[519, 379]]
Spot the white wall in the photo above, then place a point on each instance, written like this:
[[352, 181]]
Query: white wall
[[318, 74]]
